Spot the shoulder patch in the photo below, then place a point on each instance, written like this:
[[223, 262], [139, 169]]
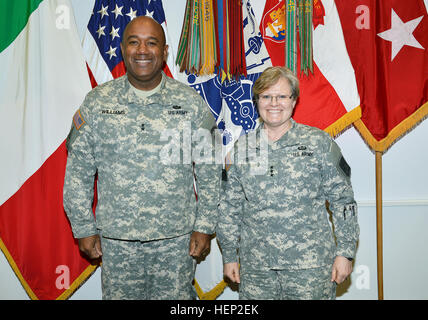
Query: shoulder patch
[[78, 119], [338, 160]]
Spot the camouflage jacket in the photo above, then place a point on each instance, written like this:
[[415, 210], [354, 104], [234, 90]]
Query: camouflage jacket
[[140, 150], [277, 218]]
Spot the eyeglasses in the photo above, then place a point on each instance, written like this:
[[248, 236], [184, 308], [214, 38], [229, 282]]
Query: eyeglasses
[[266, 98]]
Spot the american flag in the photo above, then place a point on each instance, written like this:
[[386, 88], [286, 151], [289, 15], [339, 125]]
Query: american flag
[[101, 43]]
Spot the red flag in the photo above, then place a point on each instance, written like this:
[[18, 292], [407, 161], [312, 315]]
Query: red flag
[[328, 98], [387, 43], [36, 235]]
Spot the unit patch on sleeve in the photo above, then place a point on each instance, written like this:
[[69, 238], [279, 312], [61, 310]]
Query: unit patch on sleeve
[[78, 120]]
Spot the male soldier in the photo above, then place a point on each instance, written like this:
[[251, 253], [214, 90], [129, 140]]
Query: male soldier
[[146, 209], [277, 218]]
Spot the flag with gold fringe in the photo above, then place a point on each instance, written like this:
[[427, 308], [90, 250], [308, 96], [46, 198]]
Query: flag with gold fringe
[[388, 45]]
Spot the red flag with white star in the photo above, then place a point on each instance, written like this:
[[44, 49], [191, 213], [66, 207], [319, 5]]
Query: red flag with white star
[[387, 43]]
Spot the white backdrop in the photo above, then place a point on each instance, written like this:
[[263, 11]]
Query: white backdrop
[[405, 207]]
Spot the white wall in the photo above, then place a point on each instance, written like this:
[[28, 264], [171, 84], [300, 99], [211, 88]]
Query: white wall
[[405, 210]]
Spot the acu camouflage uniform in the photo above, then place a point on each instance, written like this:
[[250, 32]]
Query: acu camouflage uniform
[[277, 220], [142, 196]]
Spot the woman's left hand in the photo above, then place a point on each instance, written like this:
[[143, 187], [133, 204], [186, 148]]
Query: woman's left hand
[[342, 268]]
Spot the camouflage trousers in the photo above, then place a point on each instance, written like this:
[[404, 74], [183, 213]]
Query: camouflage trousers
[[300, 284], [147, 270]]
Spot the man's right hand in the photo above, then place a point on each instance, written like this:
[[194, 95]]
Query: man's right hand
[[91, 246]]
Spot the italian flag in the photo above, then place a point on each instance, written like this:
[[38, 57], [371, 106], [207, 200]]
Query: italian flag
[[42, 83]]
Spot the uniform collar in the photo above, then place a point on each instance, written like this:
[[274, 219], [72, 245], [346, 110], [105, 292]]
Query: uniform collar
[[157, 97], [287, 137]]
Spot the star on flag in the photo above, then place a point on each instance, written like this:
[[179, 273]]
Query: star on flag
[[401, 34]]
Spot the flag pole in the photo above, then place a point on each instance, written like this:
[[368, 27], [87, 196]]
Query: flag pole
[[379, 236]]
